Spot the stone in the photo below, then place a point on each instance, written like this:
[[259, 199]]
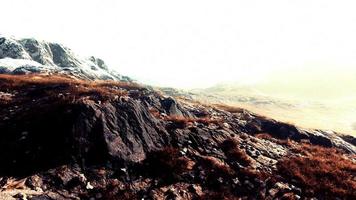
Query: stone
[[34, 182], [282, 186], [196, 189], [89, 186], [273, 192], [236, 181]]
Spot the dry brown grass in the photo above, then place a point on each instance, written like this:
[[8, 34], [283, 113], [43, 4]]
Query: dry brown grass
[[42, 79], [286, 142], [64, 86], [266, 136], [228, 108], [233, 152], [321, 172], [167, 163], [217, 167]]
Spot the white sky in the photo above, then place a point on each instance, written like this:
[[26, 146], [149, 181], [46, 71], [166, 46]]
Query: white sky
[[195, 43]]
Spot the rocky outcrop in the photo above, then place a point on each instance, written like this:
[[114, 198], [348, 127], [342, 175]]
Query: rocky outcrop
[[141, 144], [288, 131], [29, 55]]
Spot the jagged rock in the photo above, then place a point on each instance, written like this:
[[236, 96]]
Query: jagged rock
[[11, 48], [35, 182], [34, 56], [349, 139], [287, 131], [100, 63], [196, 189], [38, 51], [273, 192], [282, 186], [128, 135], [172, 108]]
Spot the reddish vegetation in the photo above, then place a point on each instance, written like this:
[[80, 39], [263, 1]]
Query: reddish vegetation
[[217, 168], [286, 142], [266, 136], [229, 108], [233, 152], [321, 172], [64, 86], [167, 162], [41, 79]]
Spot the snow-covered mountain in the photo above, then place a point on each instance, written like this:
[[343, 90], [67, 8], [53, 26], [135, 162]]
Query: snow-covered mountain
[[23, 56]]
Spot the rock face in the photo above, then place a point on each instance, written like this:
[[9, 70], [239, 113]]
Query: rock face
[[140, 144], [34, 56]]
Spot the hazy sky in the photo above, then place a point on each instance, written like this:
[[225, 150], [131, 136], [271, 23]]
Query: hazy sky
[[195, 43]]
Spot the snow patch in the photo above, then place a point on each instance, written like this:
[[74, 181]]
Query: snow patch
[[35, 56]]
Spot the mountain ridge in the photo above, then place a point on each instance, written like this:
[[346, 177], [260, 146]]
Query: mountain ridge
[[29, 55]]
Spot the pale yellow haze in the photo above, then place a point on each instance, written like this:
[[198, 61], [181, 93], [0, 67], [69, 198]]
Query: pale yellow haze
[[284, 44]]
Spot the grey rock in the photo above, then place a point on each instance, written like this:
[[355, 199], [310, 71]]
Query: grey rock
[[173, 108], [35, 56]]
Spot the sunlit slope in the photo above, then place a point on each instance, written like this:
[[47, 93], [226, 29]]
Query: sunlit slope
[[322, 103], [328, 117]]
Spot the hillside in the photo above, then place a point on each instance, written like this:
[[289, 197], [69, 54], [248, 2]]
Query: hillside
[[333, 110], [68, 138]]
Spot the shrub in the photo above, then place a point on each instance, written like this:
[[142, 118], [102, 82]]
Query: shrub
[[266, 136], [230, 109], [233, 152], [321, 172], [217, 167], [167, 163], [65, 87], [42, 79]]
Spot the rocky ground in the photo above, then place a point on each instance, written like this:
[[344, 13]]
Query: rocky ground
[[62, 138]]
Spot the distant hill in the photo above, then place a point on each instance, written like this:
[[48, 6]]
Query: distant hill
[[24, 56], [336, 114]]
